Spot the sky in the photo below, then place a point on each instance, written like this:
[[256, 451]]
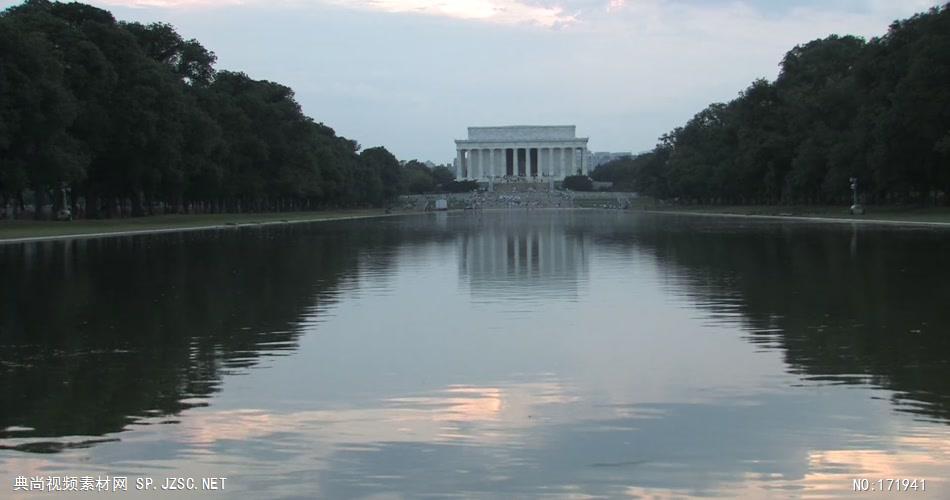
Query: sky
[[411, 75]]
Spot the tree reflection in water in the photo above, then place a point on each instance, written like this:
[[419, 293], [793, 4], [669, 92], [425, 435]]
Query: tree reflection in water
[[100, 333], [859, 304]]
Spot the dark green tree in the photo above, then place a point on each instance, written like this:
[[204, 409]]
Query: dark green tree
[[133, 119], [442, 175]]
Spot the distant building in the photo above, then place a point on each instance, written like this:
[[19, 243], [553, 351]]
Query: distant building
[[530, 153], [598, 158]]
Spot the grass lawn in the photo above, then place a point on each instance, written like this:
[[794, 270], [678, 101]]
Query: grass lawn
[[871, 213], [38, 229]]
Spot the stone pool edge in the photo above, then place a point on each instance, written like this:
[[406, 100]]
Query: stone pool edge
[[805, 218], [210, 227]]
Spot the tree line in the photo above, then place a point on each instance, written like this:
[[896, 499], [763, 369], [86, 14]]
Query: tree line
[[840, 108], [114, 118]]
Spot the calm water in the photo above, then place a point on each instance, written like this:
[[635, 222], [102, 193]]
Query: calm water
[[494, 355]]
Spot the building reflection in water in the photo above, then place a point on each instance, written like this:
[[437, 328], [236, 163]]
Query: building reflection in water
[[524, 255]]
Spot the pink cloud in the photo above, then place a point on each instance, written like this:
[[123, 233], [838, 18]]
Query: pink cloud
[[497, 11], [493, 11]]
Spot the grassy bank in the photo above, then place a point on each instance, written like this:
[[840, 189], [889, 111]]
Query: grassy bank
[[928, 215], [28, 229]]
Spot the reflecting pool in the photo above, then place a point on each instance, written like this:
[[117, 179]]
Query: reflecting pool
[[496, 354]]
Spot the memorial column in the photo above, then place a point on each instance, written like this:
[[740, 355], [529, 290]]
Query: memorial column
[[481, 162], [493, 161], [585, 162], [572, 160], [563, 172], [472, 164], [551, 162], [527, 162]]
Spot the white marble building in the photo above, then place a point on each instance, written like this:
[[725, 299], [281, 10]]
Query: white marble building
[[529, 153]]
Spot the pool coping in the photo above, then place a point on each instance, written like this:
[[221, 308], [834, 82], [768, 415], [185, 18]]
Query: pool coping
[[232, 225], [805, 218]]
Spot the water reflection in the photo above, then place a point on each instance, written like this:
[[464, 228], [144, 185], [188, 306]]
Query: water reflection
[[644, 356], [854, 305], [97, 334], [511, 255]]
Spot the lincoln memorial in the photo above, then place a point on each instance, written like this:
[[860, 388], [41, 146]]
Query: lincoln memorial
[[530, 153]]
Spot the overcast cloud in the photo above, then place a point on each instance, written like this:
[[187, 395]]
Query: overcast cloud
[[412, 74]]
